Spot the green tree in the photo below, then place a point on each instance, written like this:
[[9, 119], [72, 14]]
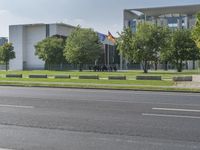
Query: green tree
[[82, 47], [196, 31], [159, 42], [183, 48], [7, 53], [145, 45], [142, 46], [125, 43], [165, 53], [50, 50]]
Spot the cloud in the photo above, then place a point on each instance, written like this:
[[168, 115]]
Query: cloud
[[100, 27], [8, 19], [3, 11]]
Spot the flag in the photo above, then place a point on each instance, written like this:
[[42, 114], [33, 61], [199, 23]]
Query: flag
[[102, 37], [111, 37]]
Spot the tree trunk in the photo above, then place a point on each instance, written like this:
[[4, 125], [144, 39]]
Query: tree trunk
[[193, 66], [6, 66], [166, 66], [156, 66], [186, 63], [81, 67], [145, 68], [179, 66]]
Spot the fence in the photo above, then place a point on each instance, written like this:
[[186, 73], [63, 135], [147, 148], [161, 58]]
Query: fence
[[64, 67]]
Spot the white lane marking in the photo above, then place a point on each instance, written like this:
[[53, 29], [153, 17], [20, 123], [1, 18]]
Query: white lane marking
[[5, 149], [171, 116], [174, 109], [134, 102], [17, 106]]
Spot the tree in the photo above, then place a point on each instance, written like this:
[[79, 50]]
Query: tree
[[7, 53], [50, 50], [159, 42], [143, 46], [125, 43], [196, 31], [165, 53], [194, 53], [183, 48], [82, 47]]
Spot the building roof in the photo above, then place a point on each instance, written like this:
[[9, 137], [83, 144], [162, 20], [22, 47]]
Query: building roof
[[38, 24], [158, 11]]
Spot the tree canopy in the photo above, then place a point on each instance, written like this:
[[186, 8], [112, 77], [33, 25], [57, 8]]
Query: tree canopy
[[196, 31], [124, 43], [7, 53], [183, 48], [50, 50], [82, 47], [145, 45]]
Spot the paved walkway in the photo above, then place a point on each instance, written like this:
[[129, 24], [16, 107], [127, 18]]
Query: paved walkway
[[188, 85]]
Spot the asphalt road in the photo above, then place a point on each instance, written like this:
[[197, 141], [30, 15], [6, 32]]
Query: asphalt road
[[75, 119]]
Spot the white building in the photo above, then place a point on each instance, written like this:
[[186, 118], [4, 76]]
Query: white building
[[25, 37]]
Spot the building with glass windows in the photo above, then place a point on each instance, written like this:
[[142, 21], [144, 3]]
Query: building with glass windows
[[182, 17]]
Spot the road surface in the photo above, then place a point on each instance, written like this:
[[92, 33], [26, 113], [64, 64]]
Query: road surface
[[79, 119]]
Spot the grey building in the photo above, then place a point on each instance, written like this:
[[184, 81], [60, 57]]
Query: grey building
[[172, 16]]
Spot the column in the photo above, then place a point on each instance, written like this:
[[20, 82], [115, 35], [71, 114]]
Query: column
[[155, 20], [186, 21], [108, 55], [179, 22]]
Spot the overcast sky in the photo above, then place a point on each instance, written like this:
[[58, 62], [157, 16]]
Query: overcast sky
[[101, 15]]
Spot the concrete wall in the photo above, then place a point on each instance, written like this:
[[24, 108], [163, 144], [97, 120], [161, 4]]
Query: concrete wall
[[64, 30], [16, 36], [33, 35], [24, 39]]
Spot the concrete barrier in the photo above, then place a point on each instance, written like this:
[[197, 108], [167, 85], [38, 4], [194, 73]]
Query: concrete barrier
[[116, 77], [182, 78], [148, 78], [13, 75], [38, 76], [89, 77], [62, 76]]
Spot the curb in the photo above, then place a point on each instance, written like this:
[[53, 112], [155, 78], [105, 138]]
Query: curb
[[90, 88]]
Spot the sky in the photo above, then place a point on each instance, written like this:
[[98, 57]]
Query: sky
[[101, 15]]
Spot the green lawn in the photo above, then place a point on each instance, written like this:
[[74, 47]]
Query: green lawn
[[165, 85], [67, 81], [129, 74]]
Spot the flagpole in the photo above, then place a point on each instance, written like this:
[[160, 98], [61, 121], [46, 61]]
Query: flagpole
[[108, 54]]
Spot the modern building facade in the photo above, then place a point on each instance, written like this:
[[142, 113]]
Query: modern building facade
[[182, 17], [173, 16], [25, 37]]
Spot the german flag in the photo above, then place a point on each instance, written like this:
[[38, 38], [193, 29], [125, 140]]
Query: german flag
[[111, 37]]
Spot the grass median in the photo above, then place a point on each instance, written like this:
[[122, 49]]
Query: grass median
[[131, 84]]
